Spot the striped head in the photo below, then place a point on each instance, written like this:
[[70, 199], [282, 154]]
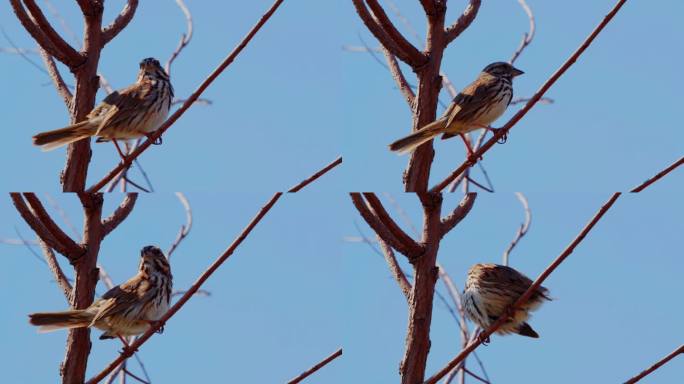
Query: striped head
[[153, 262], [151, 69], [502, 69]]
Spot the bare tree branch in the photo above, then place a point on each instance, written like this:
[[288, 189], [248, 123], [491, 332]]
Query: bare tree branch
[[316, 367], [195, 95], [57, 80], [316, 175], [522, 230], [109, 32], [389, 223], [527, 38], [533, 100], [126, 353], [185, 39], [458, 214], [185, 229], [120, 214], [398, 77], [658, 176], [463, 22], [657, 365], [60, 277], [525, 296], [395, 268]]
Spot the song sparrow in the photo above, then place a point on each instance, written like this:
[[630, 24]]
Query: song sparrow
[[125, 310], [491, 288], [477, 106], [128, 113]]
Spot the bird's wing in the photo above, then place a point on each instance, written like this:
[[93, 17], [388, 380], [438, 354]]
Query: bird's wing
[[120, 106], [468, 103], [119, 298]]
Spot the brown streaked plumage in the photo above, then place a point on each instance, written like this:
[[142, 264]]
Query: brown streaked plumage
[[477, 106], [129, 113], [125, 310], [491, 288]]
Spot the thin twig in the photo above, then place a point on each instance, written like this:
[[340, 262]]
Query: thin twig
[[525, 296], [533, 100], [189, 102], [184, 229], [464, 21], [527, 38], [522, 230], [120, 213], [658, 176], [316, 175], [657, 365], [60, 277], [316, 367], [395, 268], [185, 38], [122, 19], [194, 288]]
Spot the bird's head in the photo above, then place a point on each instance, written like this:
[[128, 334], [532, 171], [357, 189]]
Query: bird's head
[[502, 69], [152, 258], [151, 68]]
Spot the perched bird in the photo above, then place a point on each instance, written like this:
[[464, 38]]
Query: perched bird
[[125, 310], [129, 113], [491, 288], [477, 106]]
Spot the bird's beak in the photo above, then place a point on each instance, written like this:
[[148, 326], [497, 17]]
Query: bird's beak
[[517, 72]]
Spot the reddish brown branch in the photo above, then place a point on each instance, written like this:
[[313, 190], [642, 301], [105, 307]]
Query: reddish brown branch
[[384, 217], [533, 100], [190, 292], [463, 22], [60, 277], [379, 228], [394, 267], [57, 80], [316, 175], [659, 175], [399, 77], [316, 367], [189, 102], [122, 19], [657, 365], [525, 296], [458, 214], [120, 214]]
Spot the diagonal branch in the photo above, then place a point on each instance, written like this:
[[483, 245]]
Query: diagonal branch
[[399, 77], [56, 77], [109, 32], [315, 176], [378, 227], [472, 159], [657, 365], [463, 22], [394, 267], [60, 277], [316, 367], [128, 352], [66, 51], [386, 33], [384, 217], [525, 296], [120, 214], [658, 176], [459, 213], [189, 102]]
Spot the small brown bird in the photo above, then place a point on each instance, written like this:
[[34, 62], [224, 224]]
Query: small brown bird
[[491, 288], [129, 113], [125, 310], [477, 106]]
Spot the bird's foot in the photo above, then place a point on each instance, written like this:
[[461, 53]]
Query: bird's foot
[[155, 323], [495, 131], [157, 141], [480, 337]]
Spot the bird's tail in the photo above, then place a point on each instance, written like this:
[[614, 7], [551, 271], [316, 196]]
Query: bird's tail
[[52, 321], [54, 139], [525, 330], [412, 141]]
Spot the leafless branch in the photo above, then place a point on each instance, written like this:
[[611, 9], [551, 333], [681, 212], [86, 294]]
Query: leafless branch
[[399, 78], [185, 39], [657, 365], [389, 223], [525, 296], [316, 367], [193, 289], [458, 214], [533, 100], [527, 38], [543, 100], [185, 229], [316, 175], [60, 277], [195, 95], [63, 215], [57, 80], [658, 176], [394, 267], [522, 230], [120, 214], [464, 21], [109, 32]]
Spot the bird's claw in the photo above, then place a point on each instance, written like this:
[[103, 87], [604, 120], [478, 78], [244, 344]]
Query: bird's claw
[[503, 138]]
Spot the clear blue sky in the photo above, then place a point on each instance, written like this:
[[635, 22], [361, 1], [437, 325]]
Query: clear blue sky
[[292, 102]]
